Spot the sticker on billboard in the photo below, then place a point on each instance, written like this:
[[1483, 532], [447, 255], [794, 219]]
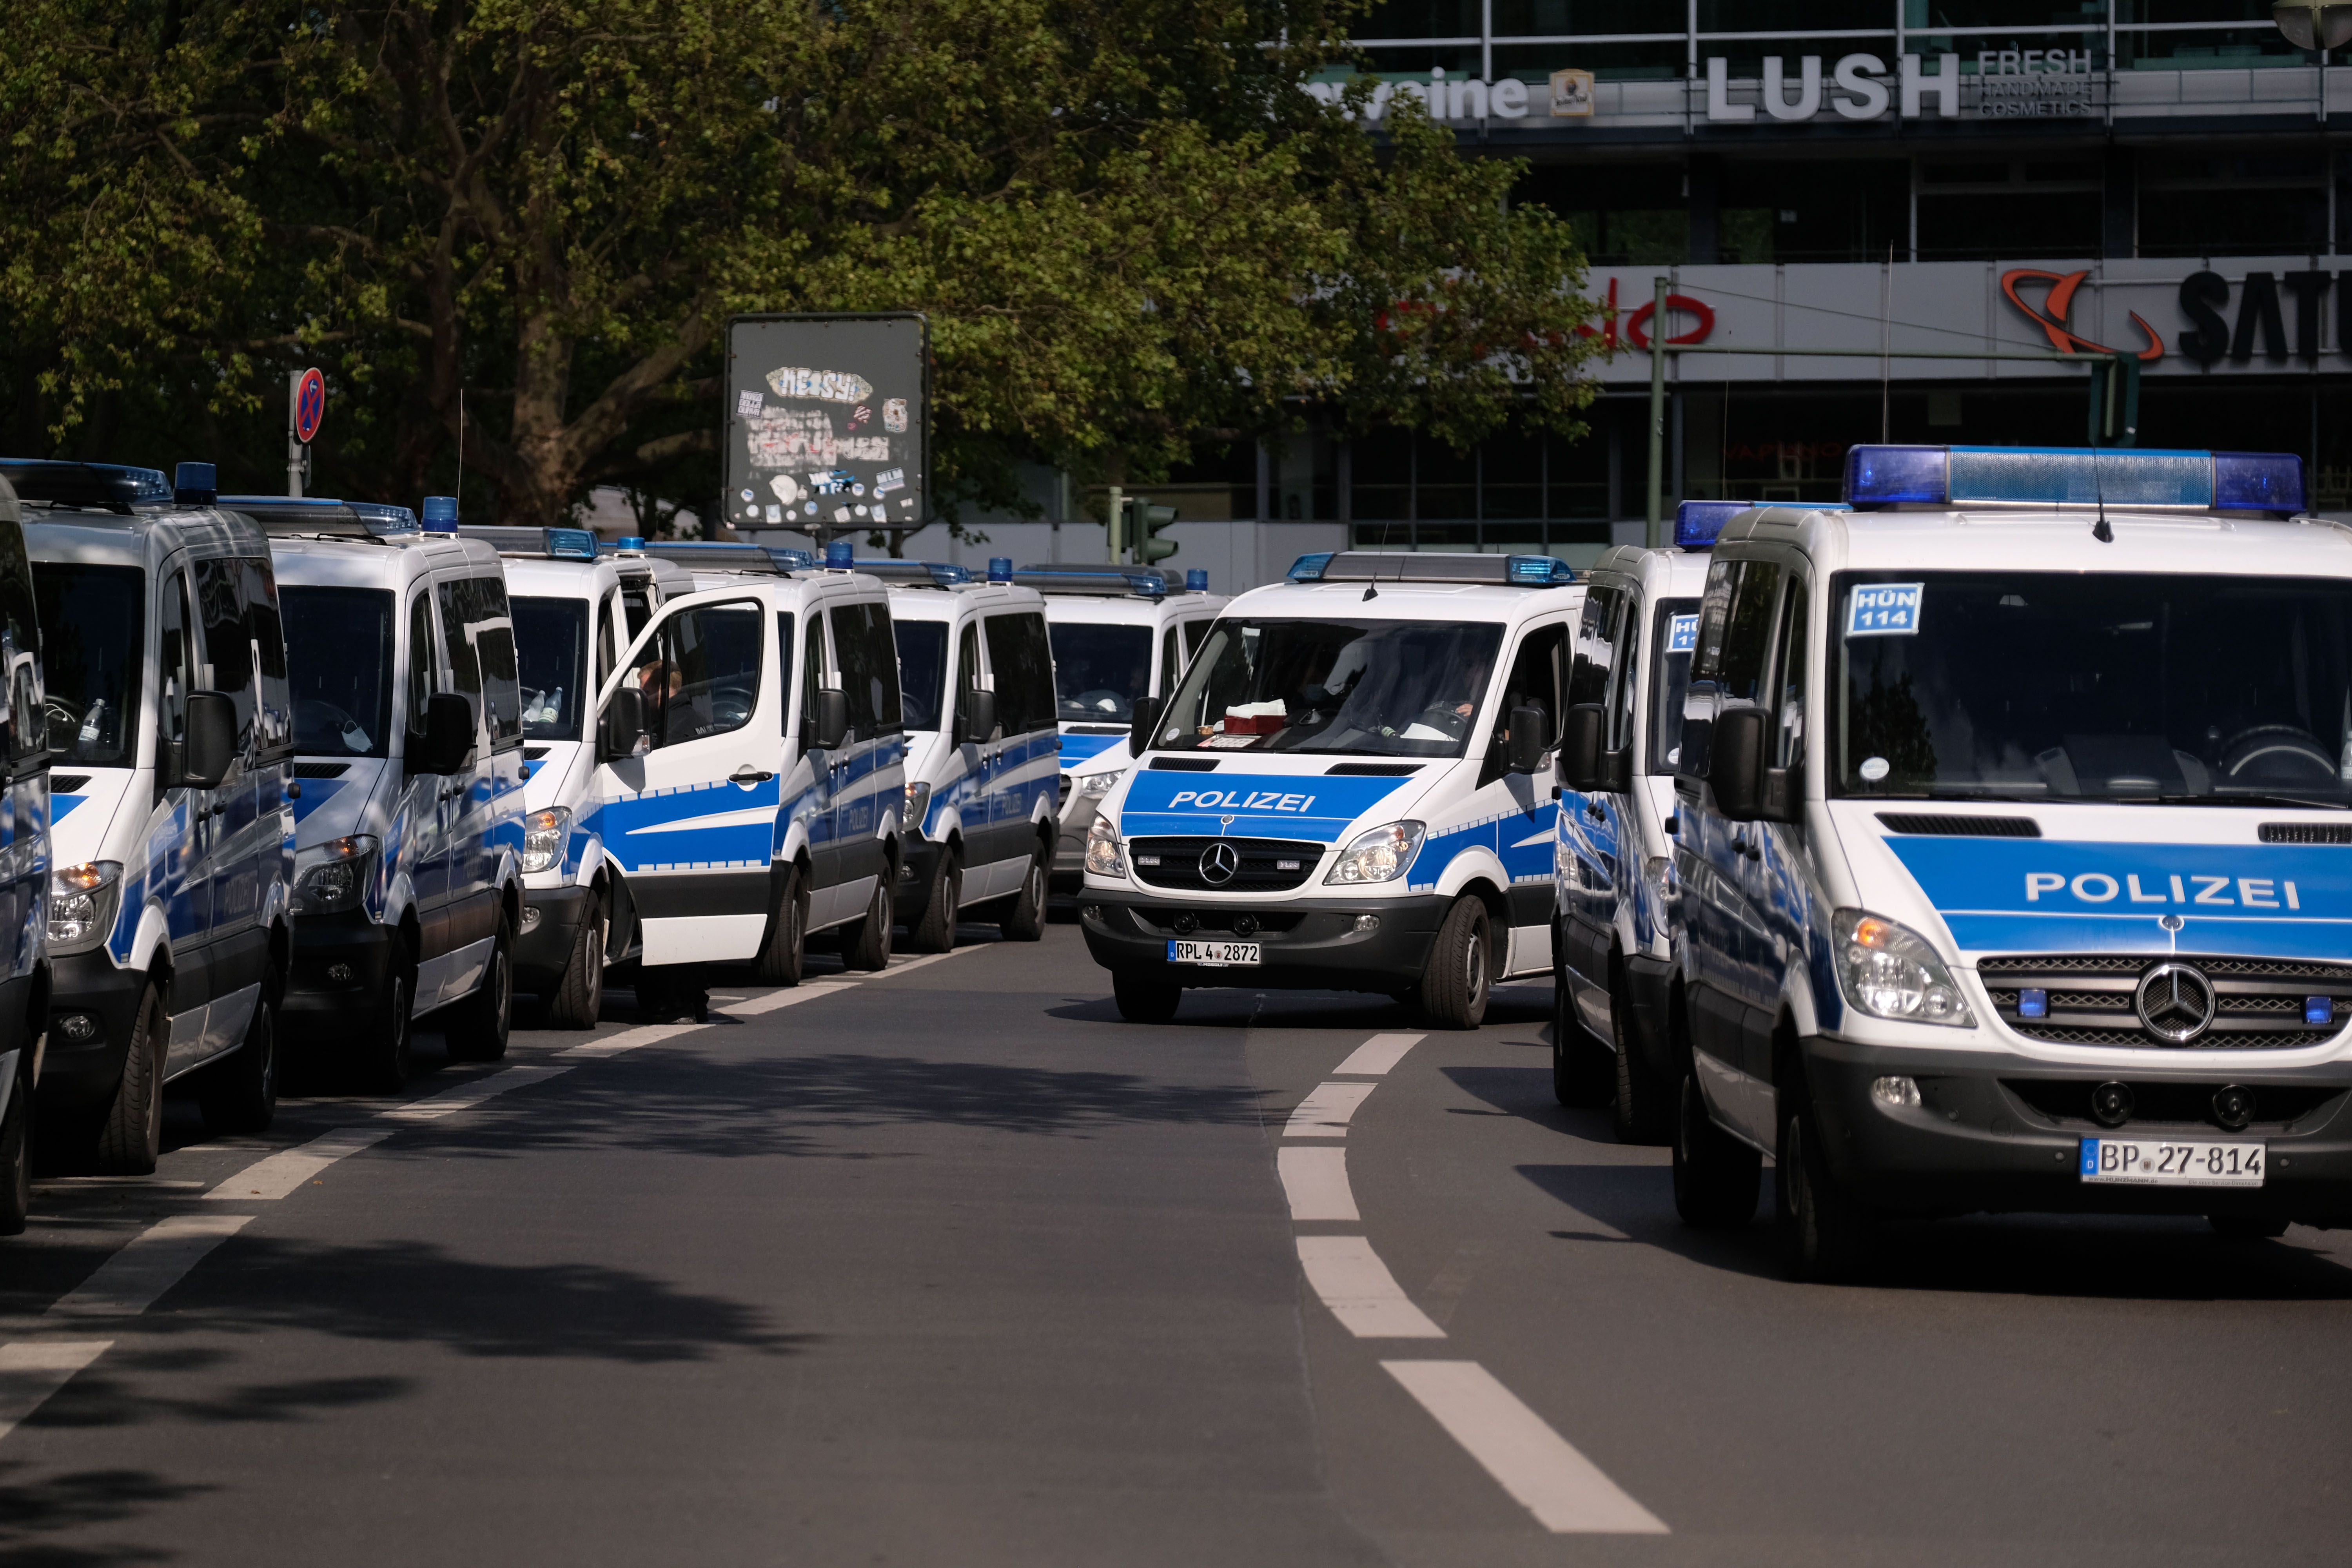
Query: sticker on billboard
[[889, 479], [894, 416], [749, 402]]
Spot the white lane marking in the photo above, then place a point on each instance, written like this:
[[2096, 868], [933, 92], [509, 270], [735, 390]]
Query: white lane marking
[[285, 1171], [1315, 1180], [1362, 1294], [626, 1040], [1325, 1112], [1378, 1054], [149, 1264], [786, 998], [900, 966], [1566, 1491], [466, 1096], [32, 1369]]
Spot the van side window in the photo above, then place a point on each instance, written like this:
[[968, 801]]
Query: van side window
[[176, 659], [228, 646], [492, 624], [1619, 732], [869, 668], [967, 679], [785, 667], [1746, 636], [1539, 679], [1705, 667], [705, 678], [1195, 634], [1588, 678], [20, 640], [1022, 661], [267, 633], [465, 668], [1788, 709], [420, 659], [606, 655], [812, 669], [1171, 664]]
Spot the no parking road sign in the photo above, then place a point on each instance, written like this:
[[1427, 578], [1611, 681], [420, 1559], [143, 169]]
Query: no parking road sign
[[310, 405]]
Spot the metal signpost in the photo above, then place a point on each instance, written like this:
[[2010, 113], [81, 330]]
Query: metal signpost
[[306, 409], [828, 425]]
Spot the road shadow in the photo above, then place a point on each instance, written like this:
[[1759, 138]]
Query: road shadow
[[1526, 1092], [33, 1505], [1239, 1007]]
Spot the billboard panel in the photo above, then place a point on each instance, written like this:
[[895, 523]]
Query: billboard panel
[[828, 422]]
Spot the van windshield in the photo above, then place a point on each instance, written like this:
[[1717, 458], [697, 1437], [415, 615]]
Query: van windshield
[[552, 650], [2124, 687], [1100, 672], [93, 627], [338, 653], [1675, 636], [922, 670], [1393, 689]]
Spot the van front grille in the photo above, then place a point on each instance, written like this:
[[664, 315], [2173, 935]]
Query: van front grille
[[1260, 865], [2089, 999]]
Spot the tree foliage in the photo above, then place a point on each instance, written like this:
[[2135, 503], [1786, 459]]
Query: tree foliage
[[1131, 229]]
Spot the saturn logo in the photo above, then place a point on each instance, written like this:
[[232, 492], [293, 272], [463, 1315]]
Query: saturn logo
[[2175, 1002], [1219, 862]]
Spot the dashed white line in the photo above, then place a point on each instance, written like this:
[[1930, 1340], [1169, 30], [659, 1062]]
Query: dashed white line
[[1325, 1112], [1362, 1294], [1378, 1055], [1315, 1180], [465, 1096], [627, 1040], [285, 1171], [787, 998], [153, 1262], [1566, 1491], [32, 1369]]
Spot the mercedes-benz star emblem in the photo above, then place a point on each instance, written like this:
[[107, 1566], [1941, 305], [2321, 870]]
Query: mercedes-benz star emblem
[[2175, 1002], [1218, 864]]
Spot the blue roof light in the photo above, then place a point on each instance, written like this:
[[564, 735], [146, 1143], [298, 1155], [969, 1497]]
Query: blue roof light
[[1891, 476], [1538, 572], [630, 541], [839, 556], [1698, 524], [195, 484], [2258, 481], [1309, 568], [2074, 476], [1196, 581], [440, 514], [1000, 569], [571, 545]]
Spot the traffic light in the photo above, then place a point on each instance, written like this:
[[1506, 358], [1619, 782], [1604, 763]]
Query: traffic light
[[1145, 522]]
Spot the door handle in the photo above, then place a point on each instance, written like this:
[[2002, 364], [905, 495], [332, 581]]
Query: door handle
[[748, 775]]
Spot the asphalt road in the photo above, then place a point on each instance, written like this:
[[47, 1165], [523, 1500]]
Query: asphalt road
[[948, 1266]]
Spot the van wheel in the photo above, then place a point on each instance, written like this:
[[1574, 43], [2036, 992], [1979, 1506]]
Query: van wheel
[[867, 944], [1453, 990], [578, 997], [1639, 1112], [935, 931], [384, 1063], [1581, 1073], [16, 1157], [2246, 1226], [784, 954], [131, 1133], [1825, 1236], [240, 1094], [1143, 999], [1025, 920], [477, 1027], [1717, 1177]]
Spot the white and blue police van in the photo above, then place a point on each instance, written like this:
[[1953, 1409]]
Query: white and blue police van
[[751, 779], [24, 978], [976, 670], [1342, 793], [170, 719], [570, 625], [2011, 844], [648, 580], [408, 725], [1120, 634]]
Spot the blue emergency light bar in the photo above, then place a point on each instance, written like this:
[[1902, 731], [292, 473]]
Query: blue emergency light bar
[[1699, 523], [324, 515], [1406, 566], [2125, 477], [109, 487], [792, 560], [939, 573], [1110, 581], [554, 543]]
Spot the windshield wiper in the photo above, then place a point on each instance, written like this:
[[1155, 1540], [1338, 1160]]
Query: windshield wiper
[[2288, 802]]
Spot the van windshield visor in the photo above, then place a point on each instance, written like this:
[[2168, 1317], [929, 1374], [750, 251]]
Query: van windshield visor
[[93, 630], [1677, 636], [1100, 672], [1387, 689], [922, 670], [338, 653], [2145, 686], [552, 656]]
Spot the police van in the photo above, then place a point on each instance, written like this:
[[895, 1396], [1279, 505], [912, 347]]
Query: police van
[[408, 722], [750, 778], [1118, 634], [24, 861], [1342, 793], [171, 721], [976, 670], [571, 622], [646, 580], [2009, 830]]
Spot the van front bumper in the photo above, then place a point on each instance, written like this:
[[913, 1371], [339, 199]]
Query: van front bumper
[[1320, 947], [919, 861], [1998, 1132], [550, 926], [339, 965], [91, 986]]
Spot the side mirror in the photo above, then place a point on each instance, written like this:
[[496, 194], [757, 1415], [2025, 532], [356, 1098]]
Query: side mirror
[[206, 755], [1735, 767], [1580, 747], [622, 728], [980, 717], [828, 719], [1527, 740], [1145, 720], [448, 737]]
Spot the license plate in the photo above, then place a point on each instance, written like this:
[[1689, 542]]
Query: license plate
[[2148, 1162], [1213, 954]]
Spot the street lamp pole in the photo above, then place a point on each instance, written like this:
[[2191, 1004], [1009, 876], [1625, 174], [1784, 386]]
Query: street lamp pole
[[1654, 536]]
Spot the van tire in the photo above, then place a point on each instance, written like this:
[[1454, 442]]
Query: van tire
[[1582, 1076], [240, 1094], [783, 955], [1145, 999], [1825, 1234], [867, 944], [385, 1062], [1717, 1177], [1641, 1112], [578, 997], [130, 1132], [1455, 987], [935, 931], [477, 1028], [1024, 917], [16, 1156]]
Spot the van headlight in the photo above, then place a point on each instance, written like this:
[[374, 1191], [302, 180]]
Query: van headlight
[[915, 808], [545, 833], [1104, 857], [1891, 971], [1381, 855], [1095, 786], [330, 877], [82, 901]]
